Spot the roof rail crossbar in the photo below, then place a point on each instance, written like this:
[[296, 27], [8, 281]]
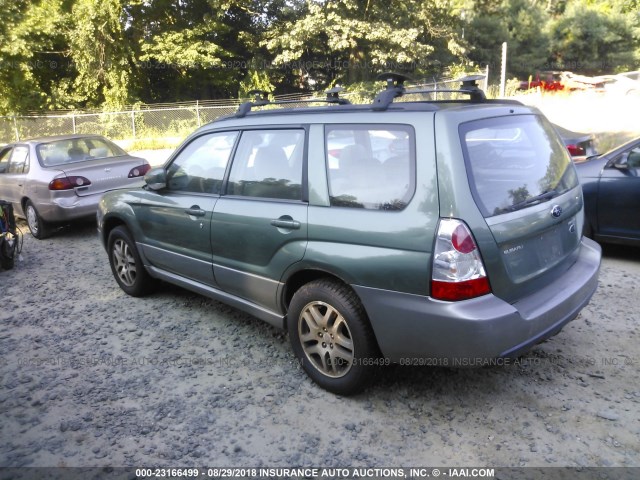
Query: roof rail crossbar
[[477, 95], [262, 99], [333, 96], [395, 88], [470, 84]]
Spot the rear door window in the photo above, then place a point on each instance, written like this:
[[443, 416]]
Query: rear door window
[[19, 161], [515, 162], [4, 159]]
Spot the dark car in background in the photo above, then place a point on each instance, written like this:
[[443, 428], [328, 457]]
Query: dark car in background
[[57, 179], [580, 145], [611, 188]]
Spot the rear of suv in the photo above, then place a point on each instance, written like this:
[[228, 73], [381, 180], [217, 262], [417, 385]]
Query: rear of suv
[[442, 233]]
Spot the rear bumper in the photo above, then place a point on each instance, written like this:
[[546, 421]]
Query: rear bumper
[[410, 327], [69, 208]]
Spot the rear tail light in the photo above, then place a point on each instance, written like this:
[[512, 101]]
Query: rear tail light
[[68, 183], [458, 271], [139, 171], [575, 150]]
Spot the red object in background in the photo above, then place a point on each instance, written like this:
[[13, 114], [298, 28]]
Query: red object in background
[[575, 150], [551, 82]]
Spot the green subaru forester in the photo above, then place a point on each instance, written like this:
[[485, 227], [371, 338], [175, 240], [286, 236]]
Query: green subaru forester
[[428, 232]]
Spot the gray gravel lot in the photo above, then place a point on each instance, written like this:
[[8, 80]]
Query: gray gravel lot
[[92, 377]]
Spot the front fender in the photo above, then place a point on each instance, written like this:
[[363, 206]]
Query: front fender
[[116, 208]]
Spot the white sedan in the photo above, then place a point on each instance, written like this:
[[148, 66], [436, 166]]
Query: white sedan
[[51, 180]]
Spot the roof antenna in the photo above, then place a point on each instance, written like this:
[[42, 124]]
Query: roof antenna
[[395, 88]]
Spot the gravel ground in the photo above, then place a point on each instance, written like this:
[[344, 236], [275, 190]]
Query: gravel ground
[[92, 377]]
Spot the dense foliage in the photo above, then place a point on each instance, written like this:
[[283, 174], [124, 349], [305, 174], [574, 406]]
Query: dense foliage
[[71, 54]]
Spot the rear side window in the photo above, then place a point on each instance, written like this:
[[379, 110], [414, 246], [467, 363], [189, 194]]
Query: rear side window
[[370, 166], [515, 162]]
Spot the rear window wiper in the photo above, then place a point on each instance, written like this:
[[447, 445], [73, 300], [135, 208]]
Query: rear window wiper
[[548, 195]]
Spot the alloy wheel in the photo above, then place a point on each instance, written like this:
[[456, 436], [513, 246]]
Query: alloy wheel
[[326, 339], [124, 262]]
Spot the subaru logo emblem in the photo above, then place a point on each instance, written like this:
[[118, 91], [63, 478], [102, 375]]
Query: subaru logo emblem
[[556, 211]]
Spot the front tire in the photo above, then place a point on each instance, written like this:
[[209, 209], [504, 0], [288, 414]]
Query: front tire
[[331, 336], [126, 265], [37, 226]]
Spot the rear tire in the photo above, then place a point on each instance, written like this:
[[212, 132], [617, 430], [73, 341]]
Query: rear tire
[[37, 226], [126, 265], [332, 338]]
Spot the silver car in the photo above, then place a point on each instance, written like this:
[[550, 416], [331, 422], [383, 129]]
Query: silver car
[[56, 179]]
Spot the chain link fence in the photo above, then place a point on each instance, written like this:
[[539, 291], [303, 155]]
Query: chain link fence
[[140, 122]]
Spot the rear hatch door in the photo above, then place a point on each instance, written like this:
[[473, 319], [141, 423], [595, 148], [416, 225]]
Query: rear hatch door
[[526, 188]]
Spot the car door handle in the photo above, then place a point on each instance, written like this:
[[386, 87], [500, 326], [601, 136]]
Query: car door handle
[[289, 223], [195, 211]]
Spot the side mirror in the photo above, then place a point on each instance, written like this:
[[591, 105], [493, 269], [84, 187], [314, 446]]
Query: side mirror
[[621, 162], [156, 178]]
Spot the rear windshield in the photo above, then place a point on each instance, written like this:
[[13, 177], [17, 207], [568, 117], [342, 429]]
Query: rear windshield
[[515, 162], [76, 149]]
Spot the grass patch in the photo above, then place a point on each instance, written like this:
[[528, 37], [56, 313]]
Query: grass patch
[[157, 143], [606, 141]]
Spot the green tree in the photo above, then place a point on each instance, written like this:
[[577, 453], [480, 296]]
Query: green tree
[[352, 40], [32, 54], [101, 54], [529, 45], [198, 48], [255, 80], [106, 53], [596, 37], [520, 23]]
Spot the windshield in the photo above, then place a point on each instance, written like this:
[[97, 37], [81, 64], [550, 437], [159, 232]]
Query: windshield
[[515, 162]]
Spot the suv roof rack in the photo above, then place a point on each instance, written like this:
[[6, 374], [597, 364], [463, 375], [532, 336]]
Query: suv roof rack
[[262, 98], [395, 88]]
